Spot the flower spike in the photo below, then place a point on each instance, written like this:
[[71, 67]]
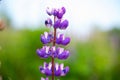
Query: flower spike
[[52, 68]]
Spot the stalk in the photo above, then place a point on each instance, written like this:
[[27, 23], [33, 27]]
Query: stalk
[[53, 54]]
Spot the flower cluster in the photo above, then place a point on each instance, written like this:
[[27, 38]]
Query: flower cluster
[[59, 22], [60, 38], [47, 51], [56, 69], [59, 69]]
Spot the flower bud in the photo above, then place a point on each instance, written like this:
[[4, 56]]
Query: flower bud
[[48, 22], [61, 39], [44, 52], [46, 37]]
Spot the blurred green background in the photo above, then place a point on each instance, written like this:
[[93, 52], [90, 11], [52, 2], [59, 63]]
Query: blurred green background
[[96, 57]]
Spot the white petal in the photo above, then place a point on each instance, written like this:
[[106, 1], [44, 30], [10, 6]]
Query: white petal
[[53, 48], [56, 66], [62, 66], [48, 10], [50, 66], [42, 78], [46, 34], [61, 50], [44, 65], [47, 49], [63, 37], [58, 35]]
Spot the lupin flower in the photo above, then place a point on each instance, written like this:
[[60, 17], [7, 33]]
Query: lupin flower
[[59, 53], [54, 69], [59, 69], [62, 54], [57, 23], [61, 12], [48, 22], [46, 37], [61, 24], [44, 78], [61, 39], [44, 52], [56, 12], [64, 24]]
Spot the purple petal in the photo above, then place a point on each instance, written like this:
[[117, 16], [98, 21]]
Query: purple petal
[[63, 9], [65, 71], [50, 37], [54, 12], [47, 79], [46, 48], [66, 41], [44, 52], [43, 39], [45, 64], [66, 54], [59, 15], [42, 69], [63, 55], [42, 78], [57, 23], [53, 51], [59, 38], [41, 53], [64, 24], [48, 72], [46, 38], [61, 12], [59, 50], [58, 72]]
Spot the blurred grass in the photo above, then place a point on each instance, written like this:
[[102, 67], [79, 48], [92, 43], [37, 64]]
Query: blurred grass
[[94, 59], [18, 54]]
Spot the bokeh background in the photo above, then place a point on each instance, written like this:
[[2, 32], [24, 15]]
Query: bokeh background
[[95, 38]]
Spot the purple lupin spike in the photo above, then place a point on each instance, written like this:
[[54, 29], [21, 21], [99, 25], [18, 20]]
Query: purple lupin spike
[[54, 69]]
